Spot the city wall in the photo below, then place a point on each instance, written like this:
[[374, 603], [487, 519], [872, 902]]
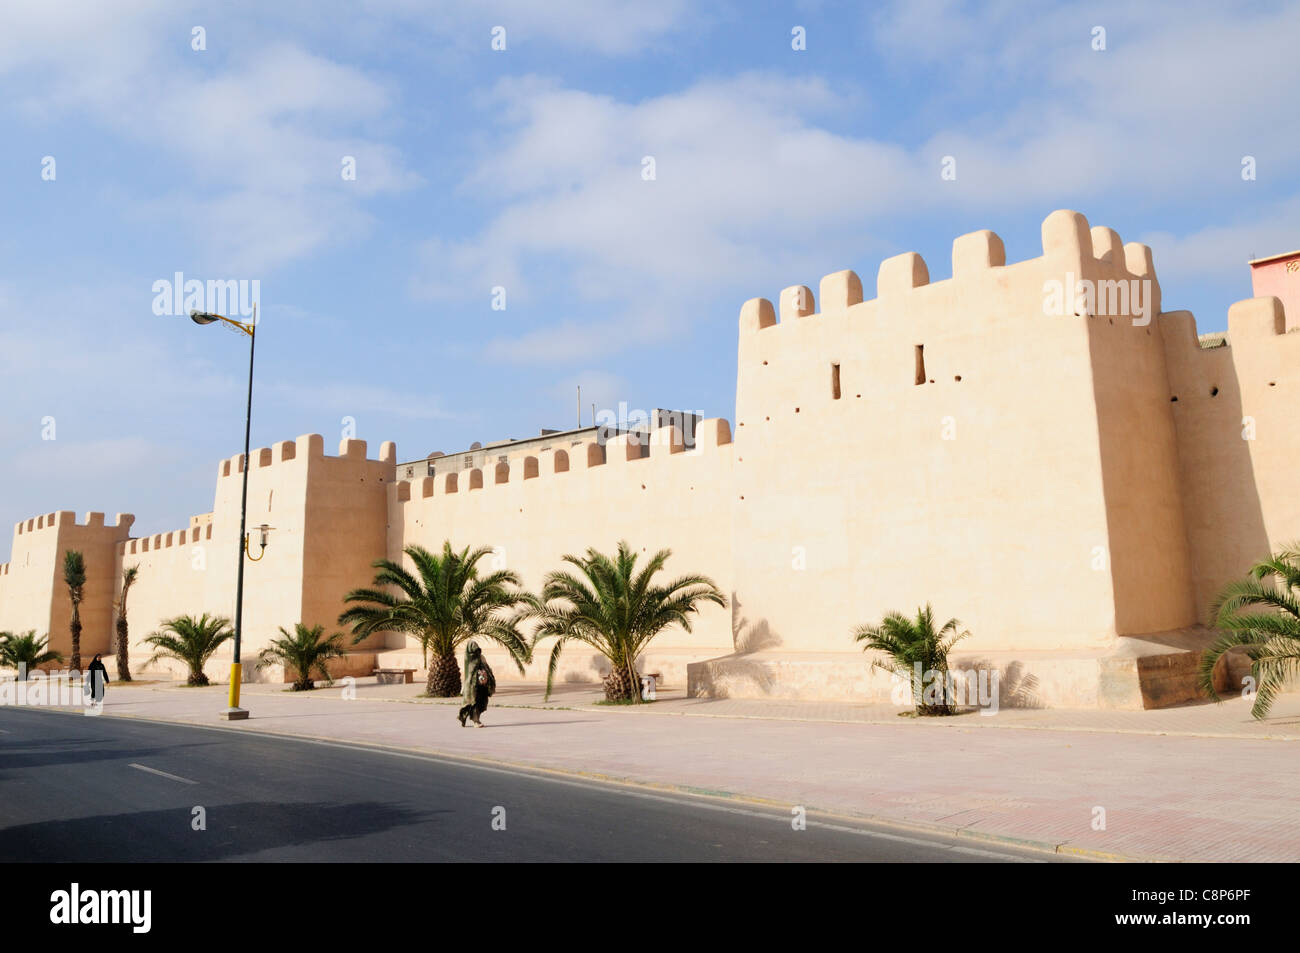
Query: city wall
[[650, 491], [1075, 485]]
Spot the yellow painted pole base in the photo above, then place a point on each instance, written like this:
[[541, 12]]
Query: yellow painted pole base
[[234, 712]]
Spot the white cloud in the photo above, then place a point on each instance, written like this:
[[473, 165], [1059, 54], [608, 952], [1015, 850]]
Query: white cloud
[[1220, 252], [743, 181], [599, 387], [356, 399], [111, 457], [757, 186], [262, 131]]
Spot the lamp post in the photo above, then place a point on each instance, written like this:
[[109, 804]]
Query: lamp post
[[234, 712]]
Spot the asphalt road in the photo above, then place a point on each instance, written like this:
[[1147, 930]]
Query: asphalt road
[[78, 788]]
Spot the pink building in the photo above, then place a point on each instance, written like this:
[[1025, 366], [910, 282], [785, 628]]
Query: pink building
[[1279, 276]]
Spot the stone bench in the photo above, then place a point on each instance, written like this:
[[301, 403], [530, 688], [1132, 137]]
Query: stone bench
[[394, 676]]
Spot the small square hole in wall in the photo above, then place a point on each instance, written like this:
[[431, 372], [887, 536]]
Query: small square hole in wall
[[835, 382]]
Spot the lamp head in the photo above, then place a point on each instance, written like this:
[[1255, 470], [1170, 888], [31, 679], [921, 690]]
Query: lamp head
[[203, 317]]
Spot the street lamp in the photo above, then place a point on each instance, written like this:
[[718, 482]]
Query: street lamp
[[264, 530], [234, 712]]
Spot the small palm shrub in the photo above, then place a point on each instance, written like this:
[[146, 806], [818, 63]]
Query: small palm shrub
[[907, 642], [305, 650], [25, 651], [190, 641], [1260, 616]]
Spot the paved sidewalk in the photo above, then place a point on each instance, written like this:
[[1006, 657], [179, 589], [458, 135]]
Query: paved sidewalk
[[1231, 719], [1197, 783]]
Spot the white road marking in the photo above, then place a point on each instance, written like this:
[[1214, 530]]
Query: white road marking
[[162, 774]]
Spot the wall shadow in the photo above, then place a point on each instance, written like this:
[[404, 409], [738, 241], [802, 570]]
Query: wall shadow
[[1017, 688]]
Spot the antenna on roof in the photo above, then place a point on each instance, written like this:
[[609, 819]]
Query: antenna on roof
[[579, 406]]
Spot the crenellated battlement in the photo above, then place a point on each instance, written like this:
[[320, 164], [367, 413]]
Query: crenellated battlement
[[181, 537], [1069, 246], [305, 448], [67, 518], [623, 454], [1257, 351]]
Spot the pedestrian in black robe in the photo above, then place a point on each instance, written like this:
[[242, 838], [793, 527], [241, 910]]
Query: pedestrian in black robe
[[479, 683], [96, 680]]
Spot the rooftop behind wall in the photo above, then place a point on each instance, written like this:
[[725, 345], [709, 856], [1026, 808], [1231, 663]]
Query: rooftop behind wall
[[665, 443]]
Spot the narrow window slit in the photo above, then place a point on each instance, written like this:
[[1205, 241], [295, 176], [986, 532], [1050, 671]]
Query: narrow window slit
[[835, 382], [920, 364]]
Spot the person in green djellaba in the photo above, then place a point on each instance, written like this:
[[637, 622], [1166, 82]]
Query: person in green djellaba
[[479, 683]]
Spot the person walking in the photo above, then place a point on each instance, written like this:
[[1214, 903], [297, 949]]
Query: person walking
[[96, 680], [478, 685]]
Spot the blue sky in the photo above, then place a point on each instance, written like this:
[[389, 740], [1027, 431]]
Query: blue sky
[[478, 168]]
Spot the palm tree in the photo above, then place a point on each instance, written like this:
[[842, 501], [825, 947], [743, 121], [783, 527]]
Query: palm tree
[[24, 652], [1267, 631], [615, 609], [74, 574], [443, 603], [129, 576], [908, 642], [304, 650], [190, 640]]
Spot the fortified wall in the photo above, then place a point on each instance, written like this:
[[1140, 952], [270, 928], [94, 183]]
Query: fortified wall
[[648, 489], [33, 594], [1074, 487], [1073, 482]]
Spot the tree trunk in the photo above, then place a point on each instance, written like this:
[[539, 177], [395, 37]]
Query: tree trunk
[[444, 677], [198, 679], [123, 663], [76, 639], [618, 685]]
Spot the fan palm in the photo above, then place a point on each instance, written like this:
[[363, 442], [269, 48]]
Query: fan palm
[[129, 575], [24, 652], [914, 648], [191, 641], [74, 574], [443, 603], [1261, 617], [305, 650], [616, 609]]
